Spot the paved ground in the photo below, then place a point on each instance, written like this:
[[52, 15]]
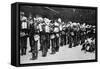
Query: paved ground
[[64, 54]]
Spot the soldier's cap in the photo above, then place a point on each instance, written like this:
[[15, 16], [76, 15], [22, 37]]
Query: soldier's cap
[[22, 13]]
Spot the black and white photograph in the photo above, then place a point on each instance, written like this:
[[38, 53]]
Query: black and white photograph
[[54, 34]]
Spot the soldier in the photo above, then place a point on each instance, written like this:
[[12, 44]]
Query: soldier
[[47, 32], [56, 39], [71, 36], [75, 31], [67, 33], [30, 22], [63, 35], [68, 28], [40, 26], [23, 33], [52, 37], [83, 33], [40, 32], [61, 38], [78, 33], [43, 42], [34, 39]]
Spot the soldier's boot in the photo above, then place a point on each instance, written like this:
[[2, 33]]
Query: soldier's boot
[[70, 45], [53, 51], [75, 43], [33, 56], [44, 53], [57, 49]]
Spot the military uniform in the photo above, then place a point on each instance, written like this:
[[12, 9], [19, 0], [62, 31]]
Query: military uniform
[[40, 33], [30, 27], [43, 42], [71, 36], [52, 37], [47, 33], [56, 39], [34, 41], [23, 35]]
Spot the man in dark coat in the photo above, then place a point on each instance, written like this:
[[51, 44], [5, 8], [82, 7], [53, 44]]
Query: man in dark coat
[[34, 41], [52, 38], [23, 33], [44, 42]]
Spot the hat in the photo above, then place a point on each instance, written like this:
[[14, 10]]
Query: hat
[[21, 13], [59, 20], [47, 21]]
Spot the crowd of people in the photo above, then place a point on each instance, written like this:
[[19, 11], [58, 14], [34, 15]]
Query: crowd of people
[[53, 34]]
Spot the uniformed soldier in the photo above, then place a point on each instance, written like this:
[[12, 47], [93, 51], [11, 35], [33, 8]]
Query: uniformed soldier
[[40, 26], [83, 33], [30, 22], [34, 34], [40, 33], [78, 34], [23, 33], [52, 37], [71, 36], [67, 33], [64, 34], [75, 31], [47, 31], [61, 37], [56, 39], [43, 42]]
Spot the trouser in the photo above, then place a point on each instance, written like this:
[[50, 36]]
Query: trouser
[[63, 40], [44, 48], [48, 40], [70, 41], [30, 40], [64, 37], [34, 49], [23, 45], [82, 39], [56, 40], [53, 46], [75, 41], [40, 41]]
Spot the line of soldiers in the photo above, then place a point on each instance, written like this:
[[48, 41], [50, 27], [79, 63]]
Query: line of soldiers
[[52, 34]]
